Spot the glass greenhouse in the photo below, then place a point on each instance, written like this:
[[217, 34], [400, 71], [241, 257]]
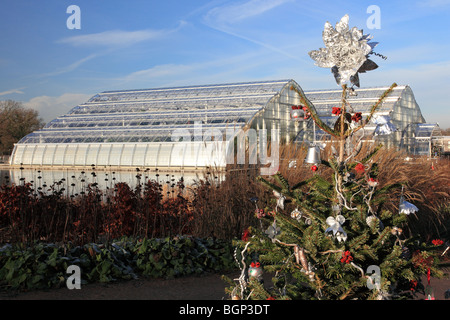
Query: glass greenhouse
[[419, 141], [145, 128], [142, 128]]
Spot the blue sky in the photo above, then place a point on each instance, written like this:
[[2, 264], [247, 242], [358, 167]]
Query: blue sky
[[148, 44]]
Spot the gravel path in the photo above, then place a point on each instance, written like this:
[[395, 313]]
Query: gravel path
[[203, 287]]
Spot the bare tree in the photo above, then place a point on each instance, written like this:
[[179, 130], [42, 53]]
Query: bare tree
[[446, 132], [16, 121]]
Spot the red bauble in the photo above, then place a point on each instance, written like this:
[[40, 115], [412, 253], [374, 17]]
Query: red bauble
[[314, 168]]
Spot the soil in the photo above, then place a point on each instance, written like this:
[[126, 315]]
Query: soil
[[203, 287]]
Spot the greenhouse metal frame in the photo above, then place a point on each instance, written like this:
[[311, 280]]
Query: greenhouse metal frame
[[135, 128]]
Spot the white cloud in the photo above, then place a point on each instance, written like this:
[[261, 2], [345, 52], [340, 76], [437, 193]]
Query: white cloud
[[230, 14], [218, 70], [70, 67], [224, 18], [111, 38], [160, 71], [51, 107], [117, 38], [18, 90]]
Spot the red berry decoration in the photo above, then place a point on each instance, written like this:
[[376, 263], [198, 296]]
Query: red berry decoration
[[335, 110], [314, 168], [360, 168], [346, 257], [356, 117]]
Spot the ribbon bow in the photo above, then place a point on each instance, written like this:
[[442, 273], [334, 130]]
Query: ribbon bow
[[272, 231], [407, 207], [335, 226], [280, 200], [384, 125]]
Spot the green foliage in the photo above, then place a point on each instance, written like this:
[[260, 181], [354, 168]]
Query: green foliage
[[42, 266], [333, 269], [310, 261]]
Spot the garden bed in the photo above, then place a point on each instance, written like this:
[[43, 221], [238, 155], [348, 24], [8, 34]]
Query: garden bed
[[45, 266], [62, 231]]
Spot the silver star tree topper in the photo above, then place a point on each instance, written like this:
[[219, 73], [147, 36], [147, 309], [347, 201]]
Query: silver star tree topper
[[346, 52]]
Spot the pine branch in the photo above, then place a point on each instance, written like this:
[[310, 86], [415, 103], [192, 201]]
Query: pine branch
[[269, 184], [291, 223], [310, 211], [357, 242], [258, 291], [380, 100], [374, 108], [330, 164], [367, 251], [379, 193], [299, 185], [383, 235], [282, 180], [372, 153]]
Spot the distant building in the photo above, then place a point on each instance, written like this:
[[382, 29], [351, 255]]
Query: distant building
[[140, 128], [440, 145]]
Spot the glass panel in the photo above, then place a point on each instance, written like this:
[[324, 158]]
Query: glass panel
[[69, 158], [178, 153], [103, 155], [139, 155], [211, 154], [18, 156], [204, 157], [151, 158], [164, 155], [28, 154], [127, 155], [80, 157], [114, 157], [58, 158], [49, 152], [190, 154], [38, 154], [92, 153]]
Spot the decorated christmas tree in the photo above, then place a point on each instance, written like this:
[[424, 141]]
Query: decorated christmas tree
[[339, 241]]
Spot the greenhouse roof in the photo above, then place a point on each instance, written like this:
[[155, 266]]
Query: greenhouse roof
[[360, 101], [150, 115], [427, 130]]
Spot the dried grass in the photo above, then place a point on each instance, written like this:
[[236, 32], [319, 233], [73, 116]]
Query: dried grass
[[426, 183], [218, 205]]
